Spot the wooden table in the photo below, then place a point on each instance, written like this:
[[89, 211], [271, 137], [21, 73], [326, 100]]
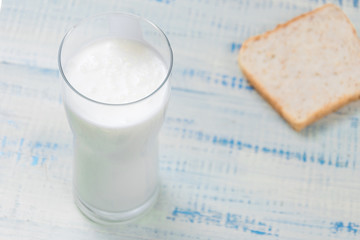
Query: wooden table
[[230, 167]]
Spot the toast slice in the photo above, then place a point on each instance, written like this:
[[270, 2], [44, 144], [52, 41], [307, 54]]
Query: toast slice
[[307, 67]]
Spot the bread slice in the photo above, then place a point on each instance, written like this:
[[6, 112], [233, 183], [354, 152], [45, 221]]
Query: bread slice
[[307, 67]]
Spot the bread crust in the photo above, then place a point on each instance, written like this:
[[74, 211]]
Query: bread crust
[[295, 124]]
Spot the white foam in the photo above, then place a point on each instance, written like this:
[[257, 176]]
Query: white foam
[[116, 71]]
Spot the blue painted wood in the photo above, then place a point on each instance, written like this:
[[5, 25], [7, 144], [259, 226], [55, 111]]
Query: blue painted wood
[[230, 167]]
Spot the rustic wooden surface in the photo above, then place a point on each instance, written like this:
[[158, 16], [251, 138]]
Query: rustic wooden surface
[[230, 167]]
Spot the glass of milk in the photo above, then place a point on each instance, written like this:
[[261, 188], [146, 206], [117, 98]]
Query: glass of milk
[[115, 70]]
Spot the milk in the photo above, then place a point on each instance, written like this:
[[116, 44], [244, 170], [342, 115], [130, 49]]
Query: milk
[[116, 71], [115, 134]]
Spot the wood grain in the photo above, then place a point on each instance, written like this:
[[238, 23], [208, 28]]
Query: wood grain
[[230, 167]]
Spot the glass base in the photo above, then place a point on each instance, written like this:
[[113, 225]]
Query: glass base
[[103, 217]]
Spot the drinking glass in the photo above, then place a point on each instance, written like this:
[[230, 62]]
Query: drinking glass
[[115, 165]]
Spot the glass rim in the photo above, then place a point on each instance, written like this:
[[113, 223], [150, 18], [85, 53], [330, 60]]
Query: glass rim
[[130, 15]]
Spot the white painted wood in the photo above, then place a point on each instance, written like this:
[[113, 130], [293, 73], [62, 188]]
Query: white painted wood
[[230, 167]]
